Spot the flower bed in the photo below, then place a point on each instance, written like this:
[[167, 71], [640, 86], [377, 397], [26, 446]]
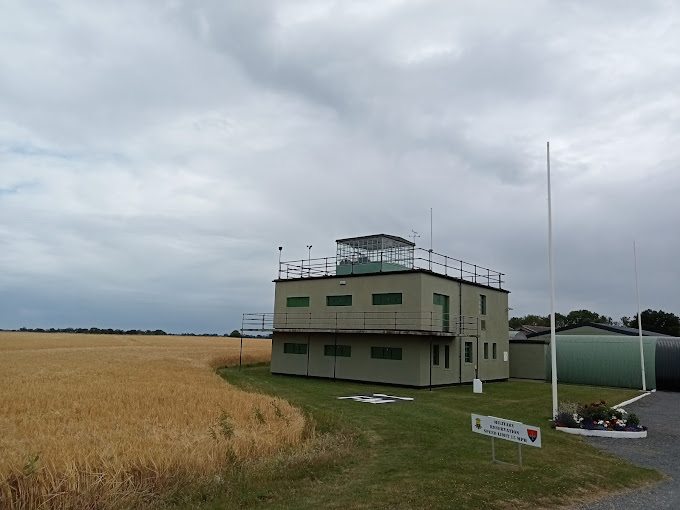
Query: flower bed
[[598, 419]]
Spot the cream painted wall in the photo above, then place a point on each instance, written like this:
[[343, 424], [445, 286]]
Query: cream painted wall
[[360, 366], [417, 290], [465, 299], [361, 288]]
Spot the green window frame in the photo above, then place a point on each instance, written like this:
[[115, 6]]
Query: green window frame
[[293, 348], [494, 350], [344, 351], [447, 356], [297, 302], [482, 304], [393, 353], [389, 298], [486, 350], [435, 355], [468, 352], [345, 300]]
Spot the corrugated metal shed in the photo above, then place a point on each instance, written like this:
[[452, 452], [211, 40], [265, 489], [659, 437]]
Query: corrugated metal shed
[[667, 363], [605, 360]]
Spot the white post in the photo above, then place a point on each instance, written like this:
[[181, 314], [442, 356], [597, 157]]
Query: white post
[[553, 343], [637, 292]]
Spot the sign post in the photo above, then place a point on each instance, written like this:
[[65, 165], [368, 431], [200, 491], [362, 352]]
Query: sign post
[[506, 429]]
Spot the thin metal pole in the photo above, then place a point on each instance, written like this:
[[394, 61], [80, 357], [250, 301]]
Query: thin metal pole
[[639, 320], [460, 330], [240, 353], [309, 339], [430, 229], [553, 347], [430, 362], [335, 352], [520, 455], [493, 449], [477, 361], [309, 260]]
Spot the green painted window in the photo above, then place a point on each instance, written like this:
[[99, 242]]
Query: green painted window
[[494, 350], [386, 353], [297, 302], [486, 350], [447, 355], [435, 355], [443, 301], [291, 348], [468, 352], [482, 325], [339, 300], [392, 298], [482, 304], [344, 351]]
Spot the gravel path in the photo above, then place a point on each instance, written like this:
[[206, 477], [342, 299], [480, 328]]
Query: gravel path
[[660, 450]]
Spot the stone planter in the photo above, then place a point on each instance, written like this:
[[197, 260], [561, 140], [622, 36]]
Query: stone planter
[[619, 434]]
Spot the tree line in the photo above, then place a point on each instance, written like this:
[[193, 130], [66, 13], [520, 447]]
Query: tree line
[[657, 321], [111, 331]]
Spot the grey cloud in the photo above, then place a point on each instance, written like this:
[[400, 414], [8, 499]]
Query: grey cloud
[[156, 155]]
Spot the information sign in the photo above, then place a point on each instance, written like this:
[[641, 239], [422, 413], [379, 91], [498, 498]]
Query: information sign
[[506, 429]]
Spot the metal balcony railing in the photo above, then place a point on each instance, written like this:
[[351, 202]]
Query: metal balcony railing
[[363, 321], [379, 262]]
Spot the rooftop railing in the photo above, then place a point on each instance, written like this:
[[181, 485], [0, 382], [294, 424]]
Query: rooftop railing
[[434, 322], [379, 262]]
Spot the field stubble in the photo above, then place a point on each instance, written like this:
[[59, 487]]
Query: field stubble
[[113, 421]]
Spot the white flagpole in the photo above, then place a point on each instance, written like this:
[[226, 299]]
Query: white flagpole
[[637, 292], [553, 346]]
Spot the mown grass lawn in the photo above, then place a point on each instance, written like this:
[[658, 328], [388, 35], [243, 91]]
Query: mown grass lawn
[[423, 454]]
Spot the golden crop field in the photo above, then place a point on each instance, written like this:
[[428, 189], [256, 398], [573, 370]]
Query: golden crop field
[[108, 421]]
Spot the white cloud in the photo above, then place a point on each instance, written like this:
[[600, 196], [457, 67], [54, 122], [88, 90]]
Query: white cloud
[[156, 154]]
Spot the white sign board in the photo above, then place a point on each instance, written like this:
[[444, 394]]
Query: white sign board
[[506, 429]]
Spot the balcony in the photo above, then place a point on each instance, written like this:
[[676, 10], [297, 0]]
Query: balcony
[[413, 323], [383, 261]]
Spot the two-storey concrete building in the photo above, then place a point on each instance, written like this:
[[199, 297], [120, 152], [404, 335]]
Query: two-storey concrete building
[[385, 311]]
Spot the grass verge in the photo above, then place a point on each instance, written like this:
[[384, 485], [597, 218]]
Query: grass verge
[[422, 454]]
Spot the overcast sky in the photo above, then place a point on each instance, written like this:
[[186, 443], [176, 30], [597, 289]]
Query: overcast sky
[[155, 154]]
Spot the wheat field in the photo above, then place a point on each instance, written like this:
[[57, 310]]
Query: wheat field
[[113, 421]]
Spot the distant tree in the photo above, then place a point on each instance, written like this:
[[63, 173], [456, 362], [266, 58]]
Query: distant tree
[[235, 334], [579, 316], [529, 320], [573, 317], [657, 321]]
